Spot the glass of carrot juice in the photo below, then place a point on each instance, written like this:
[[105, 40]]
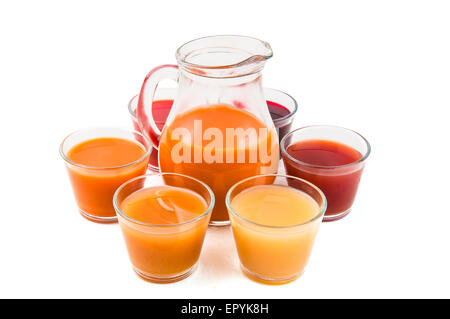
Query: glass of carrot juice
[[98, 161], [164, 217], [275, 219]]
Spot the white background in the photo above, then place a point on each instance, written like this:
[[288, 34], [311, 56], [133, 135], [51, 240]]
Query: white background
[[381, 68]]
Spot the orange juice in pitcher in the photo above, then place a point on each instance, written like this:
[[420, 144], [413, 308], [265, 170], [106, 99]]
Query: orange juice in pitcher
[[219, 129]]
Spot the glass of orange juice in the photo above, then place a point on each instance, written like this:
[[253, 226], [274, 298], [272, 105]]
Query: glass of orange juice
[[164, 217], [98, 161], [275, 219]]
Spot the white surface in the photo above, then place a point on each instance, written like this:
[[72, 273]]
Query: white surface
[[381, 68]]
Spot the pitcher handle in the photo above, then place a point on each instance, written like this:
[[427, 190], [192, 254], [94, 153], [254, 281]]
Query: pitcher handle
[[145, 102]]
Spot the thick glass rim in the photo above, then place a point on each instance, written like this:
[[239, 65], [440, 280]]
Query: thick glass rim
[[181, 56], [68, 160], [121, 213], [362, 159], [319, 215], [287, 116]]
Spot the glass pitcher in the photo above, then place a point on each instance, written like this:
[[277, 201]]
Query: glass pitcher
[[219, 129]]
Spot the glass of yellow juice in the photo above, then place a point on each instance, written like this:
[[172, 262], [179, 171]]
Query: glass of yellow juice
[[164, 217], [275, 219]]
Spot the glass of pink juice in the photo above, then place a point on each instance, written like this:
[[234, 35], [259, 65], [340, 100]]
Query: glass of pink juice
[[161, 109]]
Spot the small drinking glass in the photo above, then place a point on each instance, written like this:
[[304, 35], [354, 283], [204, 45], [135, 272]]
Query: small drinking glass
[[164, 253], [268, 253], [282, 109], [338, 182], [94, 186], [160, 114]]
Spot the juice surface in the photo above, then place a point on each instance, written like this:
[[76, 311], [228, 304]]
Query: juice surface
[[106, 152], [165, 251], [277, 110], [275, 205], [163, 205], [94, 188], [323, 152], [220, 176], [339, 184], [274, 255]]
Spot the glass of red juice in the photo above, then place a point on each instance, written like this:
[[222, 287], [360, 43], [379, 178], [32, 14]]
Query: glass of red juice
[[160, 111], [282, 109], [330, 157]]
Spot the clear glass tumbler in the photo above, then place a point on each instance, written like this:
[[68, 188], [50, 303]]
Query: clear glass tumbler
[[282, 108], [328, 147], [269, 253], [169, 252], [94, 186], [162, 105]]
